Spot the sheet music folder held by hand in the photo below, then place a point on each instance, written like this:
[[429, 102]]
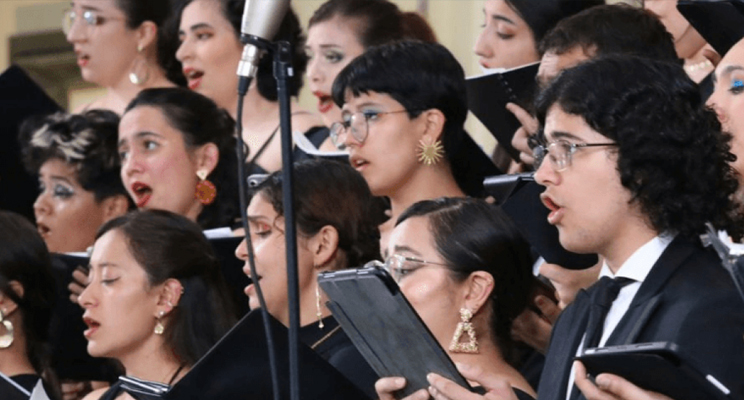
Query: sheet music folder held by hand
[[488, 95]]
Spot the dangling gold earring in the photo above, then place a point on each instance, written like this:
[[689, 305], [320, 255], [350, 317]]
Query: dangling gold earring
[[318, 313], [470, 346], [139, 73], [159, 327], [205, 190], [7, 339], [430, 153]]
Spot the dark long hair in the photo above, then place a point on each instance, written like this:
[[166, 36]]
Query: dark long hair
[[200, 121], [332, 193], [472, 235], [24, 258], [159, 12], [541, 15], [376, 21], [170, 246]]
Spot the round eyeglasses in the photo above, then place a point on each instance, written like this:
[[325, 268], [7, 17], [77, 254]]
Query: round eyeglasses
[[90, 17], [560, 153], [358, 124], [399, 266]]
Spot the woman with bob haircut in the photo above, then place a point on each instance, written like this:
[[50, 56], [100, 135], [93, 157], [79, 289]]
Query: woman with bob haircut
[[403, 110], [27, 296], [121, 45], [156, 299], [75, 157], [337, 219], [177, 151], [465, 269]]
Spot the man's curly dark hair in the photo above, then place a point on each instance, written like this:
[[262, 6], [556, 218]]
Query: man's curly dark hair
[[672, 155]]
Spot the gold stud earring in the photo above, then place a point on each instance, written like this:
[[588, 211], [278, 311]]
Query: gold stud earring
[[7, 339], [471, 346], [430, 153], [159, 327]]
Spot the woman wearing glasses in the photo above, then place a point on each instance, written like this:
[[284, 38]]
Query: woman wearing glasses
[[466, 271], [403, 110], [120, 46], [336, 218]]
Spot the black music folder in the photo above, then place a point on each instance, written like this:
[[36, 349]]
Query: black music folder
[[720, 23], [489, 94], [237, 367], [519, 197], [20, 98]]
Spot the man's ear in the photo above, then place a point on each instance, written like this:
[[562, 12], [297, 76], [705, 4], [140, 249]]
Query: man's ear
[[207, 157], [434, 120], [478, 289], [324, 246], [114, 206]]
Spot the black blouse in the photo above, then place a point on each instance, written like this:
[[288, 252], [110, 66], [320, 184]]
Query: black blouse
[[334, 346]]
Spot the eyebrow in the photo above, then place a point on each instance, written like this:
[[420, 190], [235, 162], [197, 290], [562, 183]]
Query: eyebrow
[[196, 27], [140, 135], [499, 17], [405, 248], [61, 178], [565, 135], [106, 264], [728, 71], [257, 218]]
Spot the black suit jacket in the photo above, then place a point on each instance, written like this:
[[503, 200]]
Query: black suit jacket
[[688, 298]]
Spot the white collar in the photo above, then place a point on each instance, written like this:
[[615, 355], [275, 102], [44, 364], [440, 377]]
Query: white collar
[[639, 264]]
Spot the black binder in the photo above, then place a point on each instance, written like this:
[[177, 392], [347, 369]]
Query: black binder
[[489, 94], [519, 197], [237, 367], [720, 23], [20, 98]]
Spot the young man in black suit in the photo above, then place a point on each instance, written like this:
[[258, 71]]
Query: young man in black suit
[[634, 165]]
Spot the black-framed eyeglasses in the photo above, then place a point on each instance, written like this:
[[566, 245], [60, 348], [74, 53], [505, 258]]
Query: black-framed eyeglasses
[[358, 124], [91, 18], [560, 152], [399, 266]]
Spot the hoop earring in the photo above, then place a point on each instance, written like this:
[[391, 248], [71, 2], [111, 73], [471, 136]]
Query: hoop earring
[[7, 339], [205, 190], [139, 74], [318, 313], [430, 153], [159, 327], [464, 325]]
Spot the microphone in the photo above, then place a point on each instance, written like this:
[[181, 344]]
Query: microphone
[[261, 19]]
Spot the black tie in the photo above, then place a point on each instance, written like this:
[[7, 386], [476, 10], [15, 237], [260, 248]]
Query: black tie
[[604, 294], [602, 298]]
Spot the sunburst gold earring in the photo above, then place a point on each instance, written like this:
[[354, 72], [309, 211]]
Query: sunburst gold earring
[[465, 326], [430, 153]]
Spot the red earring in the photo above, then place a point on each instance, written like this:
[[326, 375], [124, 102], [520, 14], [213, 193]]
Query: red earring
[[205, 190]]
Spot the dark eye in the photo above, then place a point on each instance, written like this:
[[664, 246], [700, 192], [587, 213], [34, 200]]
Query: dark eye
[[109, 281], [737, 86], [63, 191], [371, 115], [151, 145], [504, 36], [334, 57]]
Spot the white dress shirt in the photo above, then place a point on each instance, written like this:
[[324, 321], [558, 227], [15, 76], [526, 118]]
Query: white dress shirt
[[637, 268]]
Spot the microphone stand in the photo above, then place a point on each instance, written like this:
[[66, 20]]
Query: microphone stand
[[282, 53], [282, 72]]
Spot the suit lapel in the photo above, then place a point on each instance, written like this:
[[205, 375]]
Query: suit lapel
[[648, 297], [567, 334]]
